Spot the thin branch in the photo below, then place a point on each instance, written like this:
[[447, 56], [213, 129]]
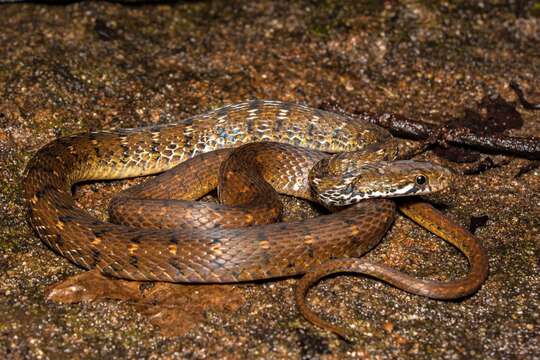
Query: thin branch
[[519, 92], [401, 126]]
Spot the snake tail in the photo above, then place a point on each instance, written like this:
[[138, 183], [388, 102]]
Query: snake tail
[[428, 217]]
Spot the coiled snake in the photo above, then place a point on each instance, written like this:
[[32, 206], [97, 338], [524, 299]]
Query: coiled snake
[[211, 247]]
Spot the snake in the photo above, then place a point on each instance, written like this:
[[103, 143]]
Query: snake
[[296, 150]]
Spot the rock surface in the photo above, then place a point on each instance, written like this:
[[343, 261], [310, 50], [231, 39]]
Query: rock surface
[[91, 65]]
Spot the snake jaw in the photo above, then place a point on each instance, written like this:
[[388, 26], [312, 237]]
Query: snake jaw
[[381, 179]]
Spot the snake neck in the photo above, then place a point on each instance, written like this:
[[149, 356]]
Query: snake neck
[[332, 177]]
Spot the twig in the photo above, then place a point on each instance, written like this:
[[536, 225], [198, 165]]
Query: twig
[[519, 92], [401, 126]]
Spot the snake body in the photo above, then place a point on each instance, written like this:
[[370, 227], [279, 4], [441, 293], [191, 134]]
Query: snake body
[[215, 252], [213, 255]]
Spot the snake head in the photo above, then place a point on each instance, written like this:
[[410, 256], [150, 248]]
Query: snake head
[[379, 180]]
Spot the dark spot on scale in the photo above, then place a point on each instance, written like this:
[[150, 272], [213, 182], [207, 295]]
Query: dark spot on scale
[[144, 286], [290, 265], [249, 125], [155, 148], [92, 136], [100, 232], [168, 202], [255, 104], [224, 111], [66, 218], [186, 205], [216, 241], [41, 193], [188, 138], [325, 220], [279, 124], [112, 268], [310, 129], [97, 150], [63, 206], [310, 251], [96, 255], [117, 267], [349, 221], [173, 239], [136, 239], [134, 261], [59, 240], [217, 225], [306, 231], [261, 235], [188, 121], [286, 106], [283, 226], [64, 141], [319, 113], [266, 258], [174, 263], [107, 271]]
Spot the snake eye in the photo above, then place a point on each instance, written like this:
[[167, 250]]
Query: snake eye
[[421, 180]]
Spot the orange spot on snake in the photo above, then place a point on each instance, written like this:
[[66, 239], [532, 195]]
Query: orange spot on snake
[[309, 239], [132, 248]]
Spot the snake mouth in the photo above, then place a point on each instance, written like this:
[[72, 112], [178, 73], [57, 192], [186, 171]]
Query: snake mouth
[[383, 180]]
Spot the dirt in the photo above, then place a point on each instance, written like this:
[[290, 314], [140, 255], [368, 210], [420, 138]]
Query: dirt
[[83, 66]]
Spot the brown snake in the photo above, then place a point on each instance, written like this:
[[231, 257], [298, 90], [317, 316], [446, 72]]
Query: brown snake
[[215, 249]]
